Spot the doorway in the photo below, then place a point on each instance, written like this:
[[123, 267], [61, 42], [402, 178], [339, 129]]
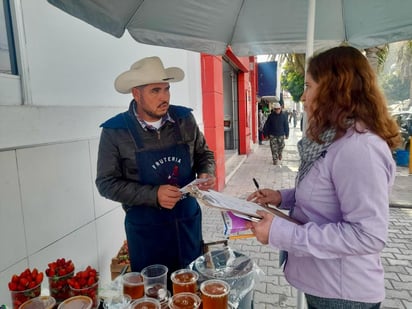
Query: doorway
[[230, 108]]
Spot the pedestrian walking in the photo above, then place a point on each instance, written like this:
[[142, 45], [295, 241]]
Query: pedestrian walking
[[261, 124], [342, 187], [295, 117], [277, 129]]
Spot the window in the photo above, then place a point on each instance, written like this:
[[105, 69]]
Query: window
[[8, 64]]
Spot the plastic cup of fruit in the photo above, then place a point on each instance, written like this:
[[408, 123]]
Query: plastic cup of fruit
[[19, 297], [59, 288], [91, 291]]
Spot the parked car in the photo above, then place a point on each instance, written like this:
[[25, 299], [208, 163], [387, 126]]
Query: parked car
[[404, 120]]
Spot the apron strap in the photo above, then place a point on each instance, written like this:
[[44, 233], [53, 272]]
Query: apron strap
[[131, 125], [177, 130]]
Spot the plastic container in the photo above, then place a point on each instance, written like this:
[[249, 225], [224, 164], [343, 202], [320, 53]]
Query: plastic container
[[76, 302], [18, 298], [145, 303], [184, 280], [185, 300], [402, 157], [59, 288], [117, 302], [155, 281], [91, 292], [41, 302], [232, 267], [133, 285], [215, 294], [164, 303]]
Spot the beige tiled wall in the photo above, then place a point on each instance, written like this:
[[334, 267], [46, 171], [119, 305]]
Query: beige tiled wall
[[50, 208]]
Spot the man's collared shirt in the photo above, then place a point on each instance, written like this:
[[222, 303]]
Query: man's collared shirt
[[146, 126]]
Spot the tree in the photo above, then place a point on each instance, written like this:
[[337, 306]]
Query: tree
[[293, 75], [377, 56], [394, 88], [404, 63]]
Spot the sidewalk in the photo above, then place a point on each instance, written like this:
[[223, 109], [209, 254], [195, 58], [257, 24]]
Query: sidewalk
[[273, 291]]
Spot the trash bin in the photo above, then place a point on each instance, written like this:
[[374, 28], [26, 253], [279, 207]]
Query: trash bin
[[233, 267], [402, 158]]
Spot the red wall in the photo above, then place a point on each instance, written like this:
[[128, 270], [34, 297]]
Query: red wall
[[212, 95], [253, 83]]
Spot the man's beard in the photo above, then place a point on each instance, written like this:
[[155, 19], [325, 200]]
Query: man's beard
[[155, 115]]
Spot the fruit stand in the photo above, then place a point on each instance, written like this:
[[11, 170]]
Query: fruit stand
[[120, 261]]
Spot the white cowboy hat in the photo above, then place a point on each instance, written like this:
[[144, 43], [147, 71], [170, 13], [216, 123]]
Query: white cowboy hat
[[148, 70]]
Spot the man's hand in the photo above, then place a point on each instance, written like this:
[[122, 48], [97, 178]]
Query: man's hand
[[209, 184], [168, 196]]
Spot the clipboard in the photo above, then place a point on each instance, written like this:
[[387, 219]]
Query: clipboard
[[240, 207]]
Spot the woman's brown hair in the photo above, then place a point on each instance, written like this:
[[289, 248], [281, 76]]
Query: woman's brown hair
[[348, 89]]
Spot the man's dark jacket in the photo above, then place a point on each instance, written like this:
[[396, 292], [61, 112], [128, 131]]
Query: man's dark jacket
[[118, 176], [276, 125]]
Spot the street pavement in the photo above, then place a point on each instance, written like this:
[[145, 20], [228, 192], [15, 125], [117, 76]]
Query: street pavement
[[271, 290]]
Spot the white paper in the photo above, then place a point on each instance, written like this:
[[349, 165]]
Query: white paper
[[186, 189], [243, 207]]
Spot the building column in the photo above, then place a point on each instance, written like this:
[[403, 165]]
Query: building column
[[212, 95]]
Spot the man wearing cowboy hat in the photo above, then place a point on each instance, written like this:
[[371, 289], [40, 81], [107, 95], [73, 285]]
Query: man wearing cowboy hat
[[145, 155]]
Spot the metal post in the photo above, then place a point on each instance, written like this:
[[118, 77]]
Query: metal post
[[310, 35], [301, 300], [410, 155]]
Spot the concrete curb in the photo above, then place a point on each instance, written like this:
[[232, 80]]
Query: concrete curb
[[400, 205]]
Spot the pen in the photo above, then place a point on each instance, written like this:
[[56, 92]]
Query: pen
[[257, 186], [273, 210], [256, 183], [241, 236]]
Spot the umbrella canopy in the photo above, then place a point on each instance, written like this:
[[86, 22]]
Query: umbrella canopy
[[250, 27]]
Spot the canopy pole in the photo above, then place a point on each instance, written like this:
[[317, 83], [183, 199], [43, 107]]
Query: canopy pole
[[310, 41], [310, 35]]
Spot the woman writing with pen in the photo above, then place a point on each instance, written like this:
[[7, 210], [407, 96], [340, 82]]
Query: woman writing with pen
[[342, 187]]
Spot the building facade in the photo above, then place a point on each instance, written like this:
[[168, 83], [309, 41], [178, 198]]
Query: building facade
[[51, 106]]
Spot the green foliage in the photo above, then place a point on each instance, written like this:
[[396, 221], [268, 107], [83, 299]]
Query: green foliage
[[382, 55], [397, 84], [292, 81], [404, 61], [394, 87]]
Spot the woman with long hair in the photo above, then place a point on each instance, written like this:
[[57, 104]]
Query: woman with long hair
[[342, 187]]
